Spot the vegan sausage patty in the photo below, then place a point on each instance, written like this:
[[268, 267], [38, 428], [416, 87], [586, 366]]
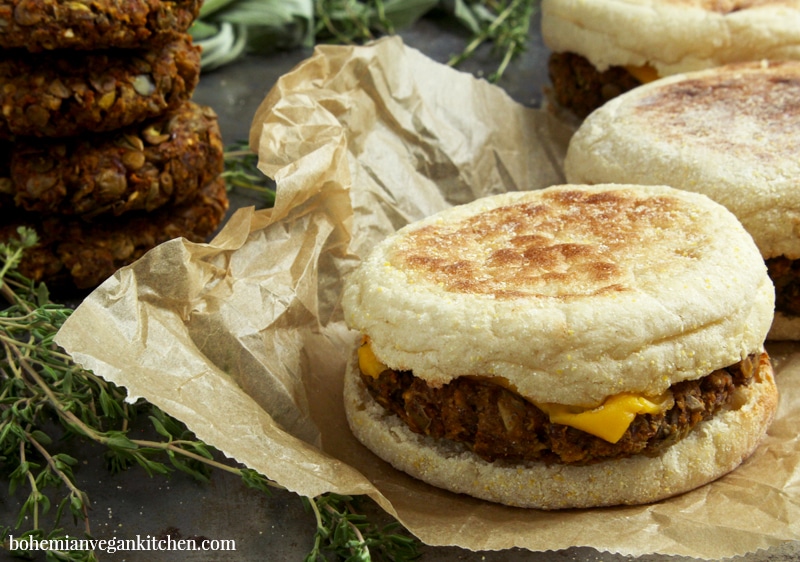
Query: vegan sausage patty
[[496, 423], [160, 162], [39, 25], [65, 93], [77, 253]]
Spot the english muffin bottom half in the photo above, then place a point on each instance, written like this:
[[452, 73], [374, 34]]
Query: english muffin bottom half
[[729, 133], [575, 346]]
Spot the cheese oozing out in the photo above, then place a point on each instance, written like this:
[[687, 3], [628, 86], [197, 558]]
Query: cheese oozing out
[[608, 421], [367, 362], [644, 73], [611, 419]]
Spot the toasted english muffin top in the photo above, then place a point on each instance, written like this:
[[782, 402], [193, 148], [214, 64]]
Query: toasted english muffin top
[[673, 36], [569, 294], [565, 244], [730, 133]]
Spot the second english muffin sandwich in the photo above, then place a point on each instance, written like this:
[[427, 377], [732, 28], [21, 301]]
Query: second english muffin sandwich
[[569, 347], [602, 48], [728, 132]]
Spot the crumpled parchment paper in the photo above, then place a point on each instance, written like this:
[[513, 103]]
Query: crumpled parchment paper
[[242, 338]]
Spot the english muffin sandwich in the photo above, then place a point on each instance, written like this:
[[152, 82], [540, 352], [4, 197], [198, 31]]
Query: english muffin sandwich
[[605, 47], [574, 346], [730, 133]]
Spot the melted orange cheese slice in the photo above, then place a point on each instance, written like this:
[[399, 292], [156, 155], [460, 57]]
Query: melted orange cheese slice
[[609, 421], [367, 362], [644, 73]]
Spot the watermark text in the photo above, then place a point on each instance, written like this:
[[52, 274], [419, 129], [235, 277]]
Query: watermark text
[[145, 543]]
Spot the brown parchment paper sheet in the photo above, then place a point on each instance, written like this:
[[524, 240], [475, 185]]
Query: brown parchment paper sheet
[[242, 338]]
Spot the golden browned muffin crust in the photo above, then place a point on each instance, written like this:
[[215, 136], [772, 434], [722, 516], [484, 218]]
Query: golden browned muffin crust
[[566, 244], [701, 108]]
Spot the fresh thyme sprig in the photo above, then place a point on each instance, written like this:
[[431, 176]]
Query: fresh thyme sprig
[[227, 29], [348, 22], [503, 23], [45, 397], [348, 534]]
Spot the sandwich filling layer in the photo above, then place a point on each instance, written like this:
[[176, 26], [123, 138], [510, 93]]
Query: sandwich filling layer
[[581, 88], [497, 423], [785, 274]]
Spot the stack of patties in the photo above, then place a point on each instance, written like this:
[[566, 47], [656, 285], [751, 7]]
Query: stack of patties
[[574, 346], [730, 133], [602, 48], [106, 155]]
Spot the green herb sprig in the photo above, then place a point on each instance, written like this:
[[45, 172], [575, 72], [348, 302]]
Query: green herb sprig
[[503, 23], [45, 399], [345, 532], [241, 172], [349, 21], [227, 29]]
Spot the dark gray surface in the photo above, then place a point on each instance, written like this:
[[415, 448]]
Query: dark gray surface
[[235, 91], [277, 527]]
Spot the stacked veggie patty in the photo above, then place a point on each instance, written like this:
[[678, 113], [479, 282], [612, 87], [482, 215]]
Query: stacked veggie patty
[[103, 152]]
